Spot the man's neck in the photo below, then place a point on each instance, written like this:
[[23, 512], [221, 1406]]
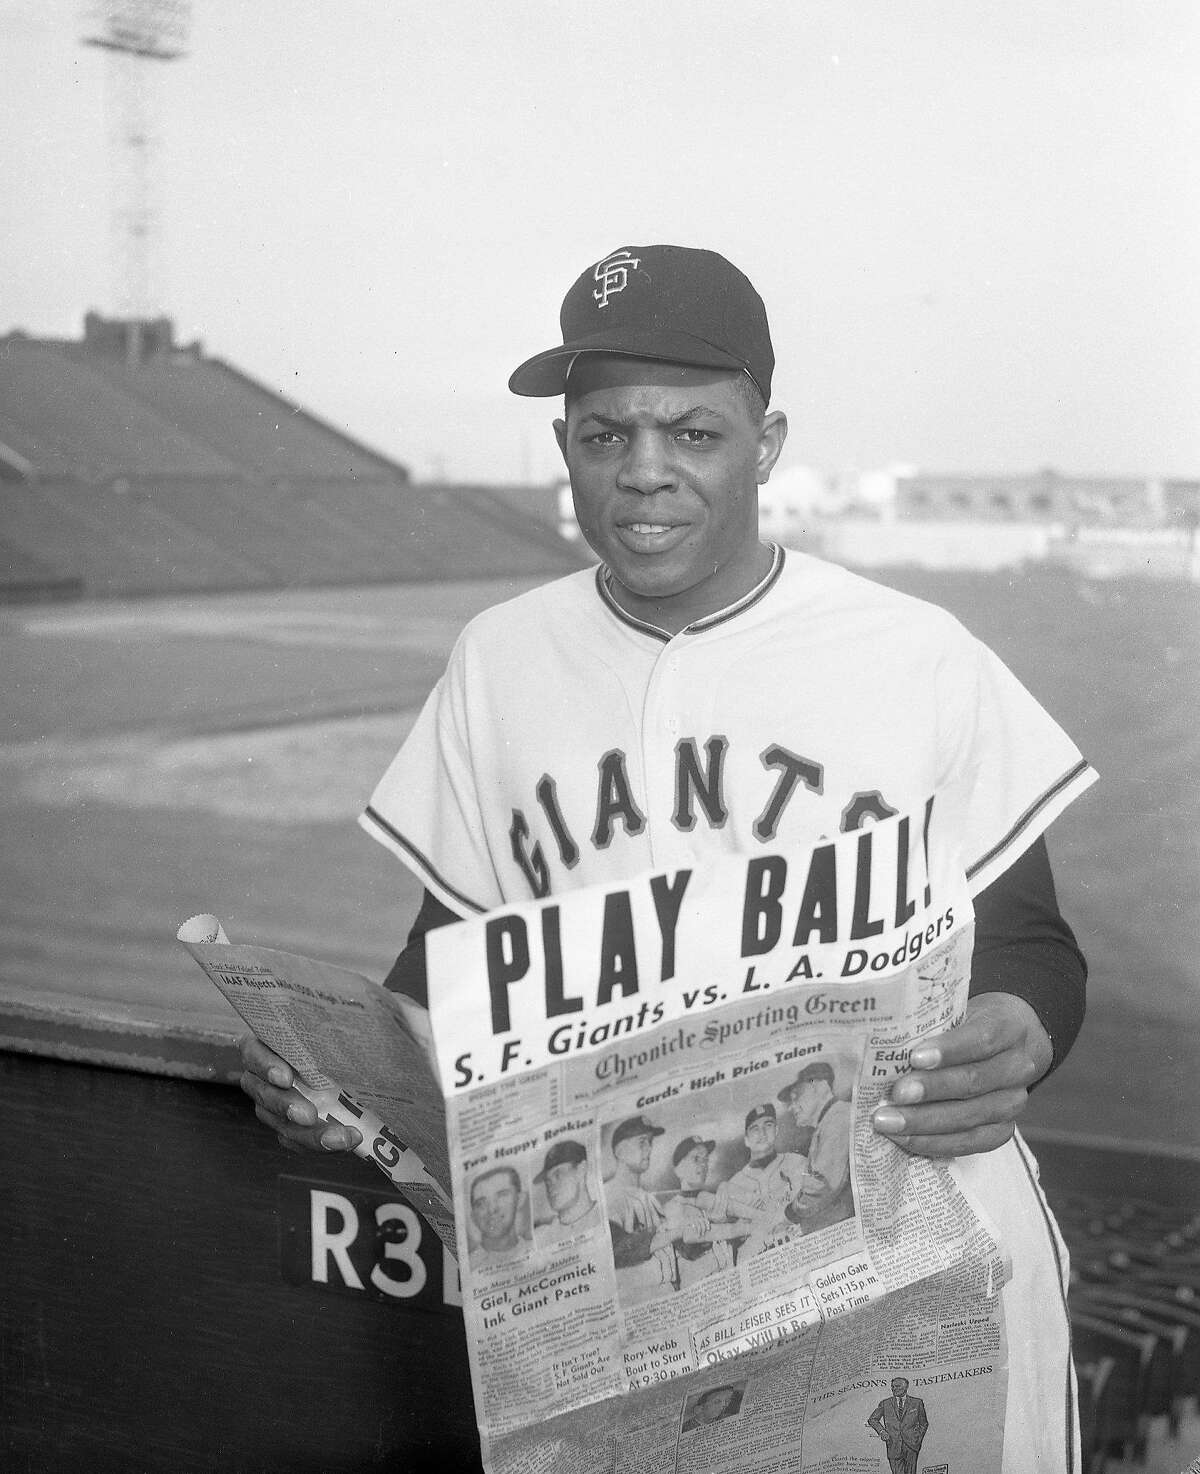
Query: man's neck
[[675, 612], [577, 1209]]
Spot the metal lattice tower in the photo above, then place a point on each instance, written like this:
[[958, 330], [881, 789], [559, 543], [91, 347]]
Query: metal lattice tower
[[137, 35]]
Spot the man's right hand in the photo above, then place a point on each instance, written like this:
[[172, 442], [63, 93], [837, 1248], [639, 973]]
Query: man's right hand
[[269, 1082], [684, 1220]]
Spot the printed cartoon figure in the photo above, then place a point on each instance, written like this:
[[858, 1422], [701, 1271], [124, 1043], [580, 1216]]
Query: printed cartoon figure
[[901, 1423]]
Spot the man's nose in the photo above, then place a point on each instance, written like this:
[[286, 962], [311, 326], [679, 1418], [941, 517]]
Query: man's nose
[[646, 466]]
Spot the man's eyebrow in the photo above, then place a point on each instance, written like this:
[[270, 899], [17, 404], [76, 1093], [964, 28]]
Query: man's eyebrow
[[684, 417]]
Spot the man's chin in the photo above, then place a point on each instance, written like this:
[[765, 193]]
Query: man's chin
[[650, 580]]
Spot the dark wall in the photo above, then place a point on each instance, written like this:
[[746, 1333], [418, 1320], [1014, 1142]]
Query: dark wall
[[145, 1322], [158, 1310]]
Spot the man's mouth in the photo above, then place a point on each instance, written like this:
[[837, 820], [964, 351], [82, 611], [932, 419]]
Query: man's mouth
[[643, 535]]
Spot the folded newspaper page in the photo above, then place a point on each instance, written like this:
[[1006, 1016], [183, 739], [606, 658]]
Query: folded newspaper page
[[682, 1245], [362, 1054]]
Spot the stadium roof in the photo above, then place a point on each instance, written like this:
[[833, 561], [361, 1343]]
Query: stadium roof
[[122, 402]]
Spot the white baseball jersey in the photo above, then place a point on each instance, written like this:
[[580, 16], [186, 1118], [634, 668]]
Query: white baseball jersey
[[762, 1192], [570, 744]]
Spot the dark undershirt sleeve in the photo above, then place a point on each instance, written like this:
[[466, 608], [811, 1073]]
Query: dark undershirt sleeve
[[408, 971], [1022, 946]]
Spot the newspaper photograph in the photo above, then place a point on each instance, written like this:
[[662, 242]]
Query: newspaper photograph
[[682, 1245]]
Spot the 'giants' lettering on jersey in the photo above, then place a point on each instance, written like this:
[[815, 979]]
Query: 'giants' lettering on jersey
[[699, 797]]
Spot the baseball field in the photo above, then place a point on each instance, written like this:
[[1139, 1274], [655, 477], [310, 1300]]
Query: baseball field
[[163, 757]]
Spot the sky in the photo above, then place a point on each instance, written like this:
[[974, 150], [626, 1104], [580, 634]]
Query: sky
[[976, 226]]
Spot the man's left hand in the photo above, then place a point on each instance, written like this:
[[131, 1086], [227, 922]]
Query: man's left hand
[[968, 1086]]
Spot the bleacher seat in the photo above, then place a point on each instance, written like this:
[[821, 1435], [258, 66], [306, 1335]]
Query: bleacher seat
[[1135, 1315], [172, 472]]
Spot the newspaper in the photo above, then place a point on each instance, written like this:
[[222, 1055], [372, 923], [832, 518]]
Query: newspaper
[[362, 1055], [682, 1246]]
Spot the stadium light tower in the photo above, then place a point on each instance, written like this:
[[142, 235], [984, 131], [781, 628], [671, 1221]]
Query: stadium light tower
[[138, 35]]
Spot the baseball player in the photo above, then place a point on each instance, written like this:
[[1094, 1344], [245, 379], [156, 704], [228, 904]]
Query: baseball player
[[644, 1234], [762, 1189], [825, 1195], [496, 1198], [701, 693], [714, 1249], [564, 1176]]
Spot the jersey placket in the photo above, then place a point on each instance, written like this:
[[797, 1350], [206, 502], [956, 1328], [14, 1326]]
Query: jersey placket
[[668, 715]]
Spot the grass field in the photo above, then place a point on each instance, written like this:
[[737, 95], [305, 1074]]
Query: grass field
[[168, 756]]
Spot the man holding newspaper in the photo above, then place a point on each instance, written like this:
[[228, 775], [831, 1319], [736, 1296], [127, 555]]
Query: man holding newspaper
[[701, 693]]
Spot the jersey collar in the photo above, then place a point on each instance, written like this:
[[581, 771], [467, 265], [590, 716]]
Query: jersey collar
[[710, 621]]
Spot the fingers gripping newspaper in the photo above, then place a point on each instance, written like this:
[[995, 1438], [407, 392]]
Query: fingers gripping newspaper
[[681, 1244], [363, 1056]]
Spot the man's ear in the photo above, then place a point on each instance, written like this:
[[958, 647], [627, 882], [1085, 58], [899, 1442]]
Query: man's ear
[[770, 444], [560, 434]]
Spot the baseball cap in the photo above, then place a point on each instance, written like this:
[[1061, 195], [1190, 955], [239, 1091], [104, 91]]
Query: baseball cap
[[818, 1070], [633, 1126], [689, 1144], [759, 1113], [675, 304], [562, 1151]]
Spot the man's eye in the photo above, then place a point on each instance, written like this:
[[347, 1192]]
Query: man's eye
[[601, 437], [694, 436]]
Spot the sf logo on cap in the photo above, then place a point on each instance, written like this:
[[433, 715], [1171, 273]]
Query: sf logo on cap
[[613, 274]]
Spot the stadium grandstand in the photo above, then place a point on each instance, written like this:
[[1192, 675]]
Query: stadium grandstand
[[1134, 1303], [130, 464]]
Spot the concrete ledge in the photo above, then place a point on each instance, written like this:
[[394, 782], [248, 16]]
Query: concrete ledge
[[60, 1031]]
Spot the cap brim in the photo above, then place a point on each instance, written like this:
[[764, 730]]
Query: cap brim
[[545, 375]]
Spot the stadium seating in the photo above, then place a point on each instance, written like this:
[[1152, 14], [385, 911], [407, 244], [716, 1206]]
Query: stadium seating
[[253, 428], [62, 413], [173, 472], [166, 535], [1135, 1316]]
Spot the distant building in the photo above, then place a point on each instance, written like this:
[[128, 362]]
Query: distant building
[[1044, 497], [1099, 526]]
